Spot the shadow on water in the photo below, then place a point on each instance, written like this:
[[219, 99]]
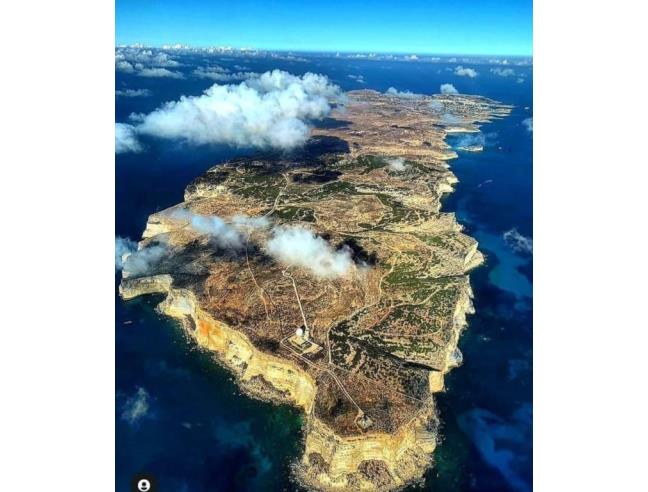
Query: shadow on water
[[181, 417]]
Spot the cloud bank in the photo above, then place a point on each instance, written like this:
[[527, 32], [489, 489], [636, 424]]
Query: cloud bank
[[448, 89], [465, 72], [145, 57], [268, 111], [146, 63], [298, 246]]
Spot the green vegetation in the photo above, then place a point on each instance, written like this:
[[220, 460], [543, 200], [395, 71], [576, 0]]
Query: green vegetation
[[290, 213]]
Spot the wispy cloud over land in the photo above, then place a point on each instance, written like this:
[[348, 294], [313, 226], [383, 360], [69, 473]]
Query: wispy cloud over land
[[397, 164], [267, 111], [226, 235], [300, 247], [392, 91], [134, 261]]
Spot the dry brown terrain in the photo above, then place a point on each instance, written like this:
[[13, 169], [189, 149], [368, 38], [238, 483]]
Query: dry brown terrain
[[376, 339]]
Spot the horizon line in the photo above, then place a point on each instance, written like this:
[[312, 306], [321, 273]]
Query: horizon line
[[318, 51]]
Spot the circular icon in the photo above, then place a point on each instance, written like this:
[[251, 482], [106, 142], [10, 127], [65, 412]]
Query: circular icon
[[144, 485], [144, 482]]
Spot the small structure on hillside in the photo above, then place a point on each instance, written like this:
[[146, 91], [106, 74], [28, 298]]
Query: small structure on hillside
[[300, 343]]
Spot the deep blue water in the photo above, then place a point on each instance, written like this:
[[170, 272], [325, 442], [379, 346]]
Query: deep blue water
[[180, 416]]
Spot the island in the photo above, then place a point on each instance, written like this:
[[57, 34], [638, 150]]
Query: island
[[331, 279]]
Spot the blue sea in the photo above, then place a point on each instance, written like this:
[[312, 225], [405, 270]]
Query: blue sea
[[180, 416]]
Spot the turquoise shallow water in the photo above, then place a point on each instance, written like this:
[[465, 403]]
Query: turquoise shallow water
[[180, 416], [505, 274]]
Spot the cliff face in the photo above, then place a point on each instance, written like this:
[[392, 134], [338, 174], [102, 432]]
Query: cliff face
[[360, 330], [330, 462]]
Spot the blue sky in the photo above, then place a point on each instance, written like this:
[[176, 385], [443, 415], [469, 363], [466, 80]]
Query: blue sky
[[495, 27]]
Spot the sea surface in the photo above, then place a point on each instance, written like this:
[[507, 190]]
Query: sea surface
[[181, 417]]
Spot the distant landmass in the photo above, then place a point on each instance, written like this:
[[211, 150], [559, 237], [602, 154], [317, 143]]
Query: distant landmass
[[330, 279]]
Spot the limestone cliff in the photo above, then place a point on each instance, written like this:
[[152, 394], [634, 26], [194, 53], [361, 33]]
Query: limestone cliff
[[359, 334]]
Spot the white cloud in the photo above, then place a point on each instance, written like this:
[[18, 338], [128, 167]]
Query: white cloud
[[448, 89], [465, 72], [145, 57], [124, 66], [397, 164], [245, 222], [503, 72], [268, 111], [136, 407], [160, 72], [145, 62], [133, 93], [358, 78], [220, 74], [227, 235], [224, 235], [126, 139], [133, 261], [392, 91], [123, 246], [528, 123], [518, 242], [300, 247]]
